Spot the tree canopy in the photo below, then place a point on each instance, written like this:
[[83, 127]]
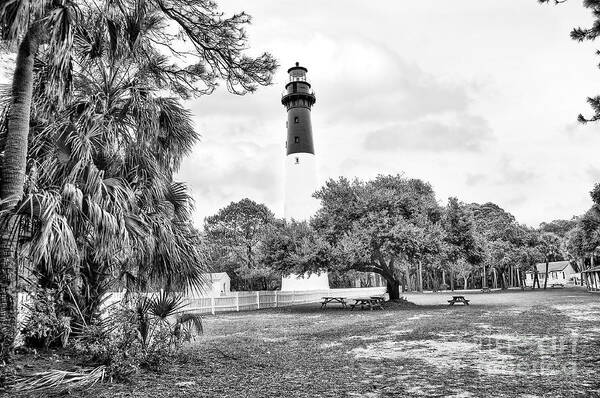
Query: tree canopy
[[235, 239], [384, 225]]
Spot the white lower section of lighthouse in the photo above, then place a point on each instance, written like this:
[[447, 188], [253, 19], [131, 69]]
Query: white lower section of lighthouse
[[300, 184]]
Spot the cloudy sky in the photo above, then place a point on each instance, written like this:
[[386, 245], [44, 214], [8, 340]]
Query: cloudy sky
[[478, 97]]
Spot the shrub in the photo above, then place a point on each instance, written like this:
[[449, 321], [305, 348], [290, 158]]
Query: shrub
[[146, 334], [161, 348], [43, 327], [112, 342]]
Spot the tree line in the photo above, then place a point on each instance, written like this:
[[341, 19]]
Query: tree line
[[395, 227]]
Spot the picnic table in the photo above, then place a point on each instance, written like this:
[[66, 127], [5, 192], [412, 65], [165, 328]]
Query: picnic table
[[556, 285], [486, 290], [458, 299], [327, 300], [370, 302]]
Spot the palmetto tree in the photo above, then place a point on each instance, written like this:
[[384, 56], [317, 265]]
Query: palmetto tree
[[118, 146], [108, 150], [26, 24]]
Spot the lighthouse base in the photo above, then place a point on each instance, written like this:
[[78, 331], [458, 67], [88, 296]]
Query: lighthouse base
[[296, 282]]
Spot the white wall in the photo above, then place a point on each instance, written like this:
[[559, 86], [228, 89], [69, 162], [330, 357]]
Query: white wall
[[305, 282], [558, 277], [300, 184]]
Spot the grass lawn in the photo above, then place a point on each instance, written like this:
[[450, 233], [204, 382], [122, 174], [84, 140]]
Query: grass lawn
[[508, 344]]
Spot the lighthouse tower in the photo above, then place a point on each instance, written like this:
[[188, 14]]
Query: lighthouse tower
[[300, 166]]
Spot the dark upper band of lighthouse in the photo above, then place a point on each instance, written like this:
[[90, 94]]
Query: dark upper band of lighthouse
[[298, 100]]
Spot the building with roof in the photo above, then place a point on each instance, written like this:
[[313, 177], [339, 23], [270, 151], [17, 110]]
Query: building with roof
[[559, 273], [592, 279], [216, 284]]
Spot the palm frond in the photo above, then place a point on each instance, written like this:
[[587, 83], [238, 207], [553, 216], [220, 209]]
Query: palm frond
[[59, 381], [166, 304], [178, 195], [191, 319], [16, 16]]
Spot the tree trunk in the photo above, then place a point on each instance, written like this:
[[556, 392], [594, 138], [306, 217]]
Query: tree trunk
[[393, 288], [546, 276], [420, 276], [451, 280], [484, 278], [12, 184], [536, 279], [407, 276], [495, 274], [8, 298], [431, 283], [15, 150]]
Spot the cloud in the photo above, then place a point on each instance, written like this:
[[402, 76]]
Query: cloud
[[511, 174], [371, 81], [475, 178], [576, 131], [449, 101], [593, 172], [218, 174], [516, 200], [464, 133], [355, 79]]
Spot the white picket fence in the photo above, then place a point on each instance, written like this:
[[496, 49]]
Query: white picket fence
[[246, 301]]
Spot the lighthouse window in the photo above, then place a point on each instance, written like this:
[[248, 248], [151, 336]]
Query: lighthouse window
[[296, 119], [296, 140]]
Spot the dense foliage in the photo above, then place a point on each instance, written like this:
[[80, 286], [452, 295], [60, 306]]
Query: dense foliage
[[235, 239], [91, 136], [395, 227]]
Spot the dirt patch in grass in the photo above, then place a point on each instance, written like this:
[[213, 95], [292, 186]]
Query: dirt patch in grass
[[539, 320], [399, 304]]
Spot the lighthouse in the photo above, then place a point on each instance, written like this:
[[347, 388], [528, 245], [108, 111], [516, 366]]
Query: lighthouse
[[300, 166]]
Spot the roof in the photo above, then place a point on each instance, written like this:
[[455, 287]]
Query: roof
[[595, 269], [217, 276], [297, 66], [552, 267]]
